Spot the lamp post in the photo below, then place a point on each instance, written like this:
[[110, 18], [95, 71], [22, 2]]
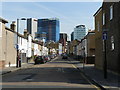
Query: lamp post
[[18, 61]]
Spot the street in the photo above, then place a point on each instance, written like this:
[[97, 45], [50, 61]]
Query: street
[[58, 73]]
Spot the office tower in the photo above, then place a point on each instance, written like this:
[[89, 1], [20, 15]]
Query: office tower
[[79, 32], [72, 36], [63, 36], [32, 26], [50, 29]]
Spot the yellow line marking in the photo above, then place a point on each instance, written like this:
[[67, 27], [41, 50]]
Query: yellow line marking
[[74, 66], [87, 79]]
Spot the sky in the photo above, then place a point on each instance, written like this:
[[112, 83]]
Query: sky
[[70, 14]]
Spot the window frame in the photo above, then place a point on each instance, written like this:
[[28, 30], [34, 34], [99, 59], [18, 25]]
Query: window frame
[[104, 18], [111, 12]]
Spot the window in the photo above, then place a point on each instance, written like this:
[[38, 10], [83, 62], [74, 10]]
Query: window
[[103, 18], [111, 12], [0, 29], [112, 43]]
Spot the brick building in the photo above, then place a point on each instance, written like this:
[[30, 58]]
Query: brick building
[[98, 39], [90, 47], [109, 15], [111, 24]]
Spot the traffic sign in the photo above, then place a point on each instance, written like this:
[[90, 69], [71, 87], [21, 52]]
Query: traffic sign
[[104, 35], [17, 46]]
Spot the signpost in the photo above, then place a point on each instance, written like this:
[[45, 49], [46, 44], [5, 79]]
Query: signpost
[[105, 56], [104, 35], [17, 46]]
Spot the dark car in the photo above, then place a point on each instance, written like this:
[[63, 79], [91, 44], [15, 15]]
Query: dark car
[[52, 56], [39, 60], [64, 56], [46, 58]]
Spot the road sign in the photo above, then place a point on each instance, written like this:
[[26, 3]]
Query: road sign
[[104, 35], [17, 47]]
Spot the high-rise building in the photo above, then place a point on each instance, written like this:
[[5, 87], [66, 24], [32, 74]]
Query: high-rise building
[[72, 36], [63, 36], [79, 32], [50, 29], [32, 26], [63, 40]]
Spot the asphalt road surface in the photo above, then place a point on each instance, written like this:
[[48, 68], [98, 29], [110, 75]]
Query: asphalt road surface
[[58, 73]]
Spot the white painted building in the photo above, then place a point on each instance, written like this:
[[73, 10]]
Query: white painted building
[[44, 51], [29, 46], [60, 48], [36, 50], [84, 47], [22, 42]]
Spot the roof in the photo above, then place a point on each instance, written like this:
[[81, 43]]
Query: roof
[[3, 20], [37, 42], [82, 26], [97, 11], [20, 35]]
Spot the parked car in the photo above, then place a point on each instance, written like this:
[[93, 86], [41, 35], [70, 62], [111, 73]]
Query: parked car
[[55, 55], [39, 60], [52, 56], [64, 56], [49, 57], [46, 58]]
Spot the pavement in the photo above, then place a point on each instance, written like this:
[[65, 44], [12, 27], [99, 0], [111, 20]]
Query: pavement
[[13, 68], [97, 76]]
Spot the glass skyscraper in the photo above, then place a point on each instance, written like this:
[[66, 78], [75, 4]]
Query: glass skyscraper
[[79, 32], [50, 29]]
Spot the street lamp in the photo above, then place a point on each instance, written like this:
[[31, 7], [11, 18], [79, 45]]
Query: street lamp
[[18, 61]]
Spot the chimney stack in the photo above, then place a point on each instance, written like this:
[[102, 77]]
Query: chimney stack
[[13, 26]]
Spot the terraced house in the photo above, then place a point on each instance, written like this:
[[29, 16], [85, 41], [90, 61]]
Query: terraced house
[[8, 45], [109, 14]]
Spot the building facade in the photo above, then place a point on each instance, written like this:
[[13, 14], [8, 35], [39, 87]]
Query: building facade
[[98, 39], [79, 32], [60, 48], [90, 39], [72, 36], [7, 46], [11, 41], [2, 42], [50, 29], [83, 49], [32, 26], [109, 29], [63, 36], [63, 40], [111, 26]]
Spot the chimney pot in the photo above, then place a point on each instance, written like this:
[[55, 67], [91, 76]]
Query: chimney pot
[[13, 26]]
